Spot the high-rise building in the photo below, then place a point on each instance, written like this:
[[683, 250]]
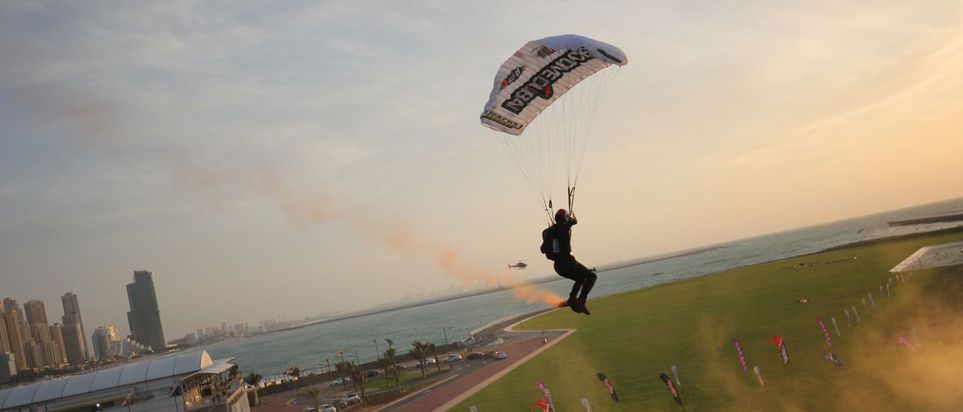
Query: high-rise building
[[4, 336], [72, 317], [35, 312], [57, 335], [8, 367], [11, 304], [104, 337], [73, 344], [144, 316], [11, 321]]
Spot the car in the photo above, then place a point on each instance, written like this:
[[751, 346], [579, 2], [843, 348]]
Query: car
[[341, 404], [501, 355], [475, 355], [340, 381], [328, 408], [371, 373], [454, 357], [490, 354], [352, 399], [430, 362]]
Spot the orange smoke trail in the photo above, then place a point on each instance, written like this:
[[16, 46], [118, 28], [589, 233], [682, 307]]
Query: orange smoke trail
[[399, 238], [448, 258]]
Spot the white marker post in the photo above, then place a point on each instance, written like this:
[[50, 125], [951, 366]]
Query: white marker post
[[758, 375], [836, 327], [887, 291], [675, 371], [472, 409], [856, 313], [849, 321], [585, 403], [871, 299]]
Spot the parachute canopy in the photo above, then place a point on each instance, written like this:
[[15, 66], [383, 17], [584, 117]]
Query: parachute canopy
[[539, 74], [554, 85]]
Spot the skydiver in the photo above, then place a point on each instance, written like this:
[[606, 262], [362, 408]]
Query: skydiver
[[557, 246]]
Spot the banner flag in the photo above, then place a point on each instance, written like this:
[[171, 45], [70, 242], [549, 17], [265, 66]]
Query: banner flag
[[829, 341], [887, 291], [585, 403], [742, 357], [849, 321], [836, 327], [547, 394], [668, 383], [871, 300], [832, 358], [605, 380], [855, 312], [781, 347], [865, 305], [675, 370], [880, 290], [472, 409], [542, 405], [758, 375]]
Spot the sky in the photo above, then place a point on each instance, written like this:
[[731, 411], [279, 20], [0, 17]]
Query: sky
[[281, 159]]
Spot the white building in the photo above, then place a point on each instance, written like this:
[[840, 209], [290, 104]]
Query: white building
[[182, 383]]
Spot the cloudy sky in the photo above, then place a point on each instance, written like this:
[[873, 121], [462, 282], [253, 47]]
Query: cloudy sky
[[286, 158]]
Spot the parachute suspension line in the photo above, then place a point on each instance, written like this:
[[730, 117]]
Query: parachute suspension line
[[606, 77]]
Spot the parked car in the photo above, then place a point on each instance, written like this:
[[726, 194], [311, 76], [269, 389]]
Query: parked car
[[430, 362], [352, 398], [454, 357], [490, 354], [341, 404], [475, 355], [340, 381], [371, 373], [500, 355], [328, 408]]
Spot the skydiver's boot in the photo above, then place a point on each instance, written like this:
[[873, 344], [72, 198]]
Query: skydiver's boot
[[580, 302]]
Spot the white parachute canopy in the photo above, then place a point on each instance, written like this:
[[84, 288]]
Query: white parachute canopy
[[543, 103]]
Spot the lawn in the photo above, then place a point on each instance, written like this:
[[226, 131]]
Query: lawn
[[405, 378], [635, 336]]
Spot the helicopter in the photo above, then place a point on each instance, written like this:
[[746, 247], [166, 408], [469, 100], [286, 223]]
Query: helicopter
[[520, 265]]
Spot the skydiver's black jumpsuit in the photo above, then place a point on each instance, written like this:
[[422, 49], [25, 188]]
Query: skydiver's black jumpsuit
[[566, 265]]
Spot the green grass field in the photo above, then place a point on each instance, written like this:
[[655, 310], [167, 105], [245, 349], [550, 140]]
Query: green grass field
[[405, 378], [635, 336]]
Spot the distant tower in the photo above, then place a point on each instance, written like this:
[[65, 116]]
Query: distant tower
[[144, 316], [104, 339], [35, 312], [72, 318], [11, 321]]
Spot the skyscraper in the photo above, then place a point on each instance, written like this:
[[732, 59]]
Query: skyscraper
[[104, 338], [72, 317], [11, 304], [73, 344], [57, 334], [35, 312], [144, 316], [11, 321]]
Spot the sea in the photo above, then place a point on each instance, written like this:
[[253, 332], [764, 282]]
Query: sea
[[314, 347]]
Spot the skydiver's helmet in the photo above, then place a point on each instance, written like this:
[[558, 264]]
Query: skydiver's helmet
[[561, 216]]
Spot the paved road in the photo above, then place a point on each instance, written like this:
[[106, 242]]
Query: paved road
[[469, 374]]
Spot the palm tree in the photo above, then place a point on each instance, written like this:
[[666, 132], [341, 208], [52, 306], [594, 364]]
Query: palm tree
[[433, 350], [295, 372], [344, 369], [315, 393], [419, 351], [387, 362], [359, 378], [253, 379]]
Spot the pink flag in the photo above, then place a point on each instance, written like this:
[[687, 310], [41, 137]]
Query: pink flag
[[829, 340], [742, 357]]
